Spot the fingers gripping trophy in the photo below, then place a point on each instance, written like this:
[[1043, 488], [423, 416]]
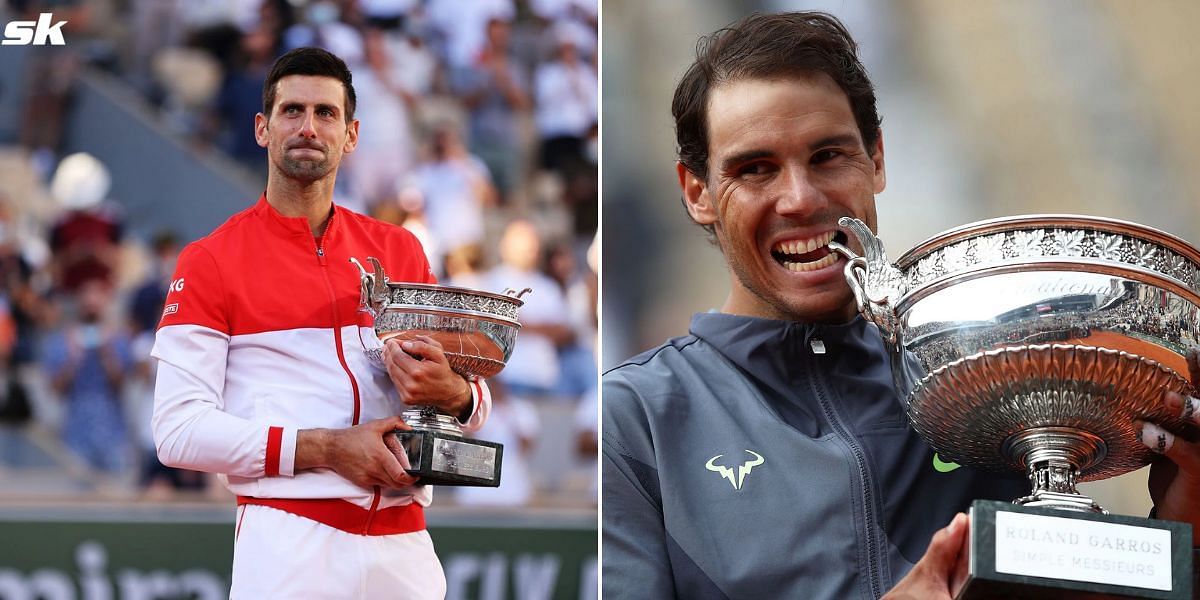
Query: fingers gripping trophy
[[477, 331], [1046, 344]]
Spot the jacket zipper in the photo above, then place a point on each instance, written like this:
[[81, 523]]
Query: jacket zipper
[[860, 458], [337, 342]]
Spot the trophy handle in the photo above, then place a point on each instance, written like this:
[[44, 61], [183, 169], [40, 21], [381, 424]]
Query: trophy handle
[[515, 293], [373, 294], [875, 282]]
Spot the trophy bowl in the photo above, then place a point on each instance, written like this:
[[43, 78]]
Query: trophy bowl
[[1034, 343], [477, 331]]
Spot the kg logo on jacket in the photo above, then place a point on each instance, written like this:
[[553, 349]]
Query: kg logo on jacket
[[742, 471]]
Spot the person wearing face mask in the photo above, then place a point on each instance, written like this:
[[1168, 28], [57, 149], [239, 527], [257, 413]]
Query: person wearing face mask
[[86, 362], [263, 375], [322, 27]]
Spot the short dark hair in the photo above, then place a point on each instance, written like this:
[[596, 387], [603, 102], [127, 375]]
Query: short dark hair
[[768, 46], [309, 61]]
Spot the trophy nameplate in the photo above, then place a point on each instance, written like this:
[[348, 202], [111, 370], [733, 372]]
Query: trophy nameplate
[[450, 460], [1035, 552]]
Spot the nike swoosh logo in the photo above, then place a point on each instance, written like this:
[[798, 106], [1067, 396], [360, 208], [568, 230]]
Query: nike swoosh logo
[[942, 466]]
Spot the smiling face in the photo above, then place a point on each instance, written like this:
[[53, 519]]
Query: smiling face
[[307, 133], [786, 160]]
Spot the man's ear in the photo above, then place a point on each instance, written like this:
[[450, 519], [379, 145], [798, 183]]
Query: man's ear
[[699, 204], [877, 158], [351, 137], [260, 130]]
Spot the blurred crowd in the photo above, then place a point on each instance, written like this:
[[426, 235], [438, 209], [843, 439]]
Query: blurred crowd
[[479, 134]]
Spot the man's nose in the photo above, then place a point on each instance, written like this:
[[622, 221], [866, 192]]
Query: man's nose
[[308, 125], [799, 194]]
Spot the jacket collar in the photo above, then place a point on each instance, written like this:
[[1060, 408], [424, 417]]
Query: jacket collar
[[770, 349], [291, 226]]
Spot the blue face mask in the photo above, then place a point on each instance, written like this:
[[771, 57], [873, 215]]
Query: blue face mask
[[323, 13], [89, 336]]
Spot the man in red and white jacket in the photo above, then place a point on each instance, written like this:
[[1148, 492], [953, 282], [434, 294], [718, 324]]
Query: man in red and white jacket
[[263, 376]]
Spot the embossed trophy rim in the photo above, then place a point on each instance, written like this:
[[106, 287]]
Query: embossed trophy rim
[[468, 292], [1150, 362], [923, 426], [1047, 264], [428, 309], [1052, 221], [476, 366]]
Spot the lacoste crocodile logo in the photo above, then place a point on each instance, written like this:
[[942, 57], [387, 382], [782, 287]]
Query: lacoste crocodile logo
[[942, 466], [742, 471]]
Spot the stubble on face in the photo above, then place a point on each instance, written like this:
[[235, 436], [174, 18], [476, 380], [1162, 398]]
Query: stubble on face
[[305, 147], [786, 162], [306, 170]]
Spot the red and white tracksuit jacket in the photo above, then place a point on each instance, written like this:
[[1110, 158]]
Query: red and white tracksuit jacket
[[262, 336]]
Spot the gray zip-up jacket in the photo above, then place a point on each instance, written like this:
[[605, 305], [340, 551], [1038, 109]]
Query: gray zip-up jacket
[[769, 459]]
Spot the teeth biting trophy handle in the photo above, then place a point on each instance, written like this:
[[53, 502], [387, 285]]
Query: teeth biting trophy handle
[[875, 282]]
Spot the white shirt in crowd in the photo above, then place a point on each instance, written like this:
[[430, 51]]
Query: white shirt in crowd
[[534, 360]]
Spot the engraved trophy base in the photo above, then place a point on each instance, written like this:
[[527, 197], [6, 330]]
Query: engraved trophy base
[[441, 458], [1036, 552]]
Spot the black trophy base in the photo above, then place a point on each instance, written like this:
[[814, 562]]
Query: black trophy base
[[443, 459], [1034, 552]]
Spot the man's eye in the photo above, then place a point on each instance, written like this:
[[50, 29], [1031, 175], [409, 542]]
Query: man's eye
[[756, 169], [825, 155], [325, 112]]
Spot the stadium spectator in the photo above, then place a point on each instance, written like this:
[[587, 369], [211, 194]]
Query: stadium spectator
[[411, 207], [461, 26], [50, 80], [463, 267], [15, 408], [577, 358], [414, 67], [323, 27], [584, 12], [454, 189], [87, 361], [566, 94], [241, 97], [85, 240], [496, 90], [533, 369], [21, 305], [385, 153]]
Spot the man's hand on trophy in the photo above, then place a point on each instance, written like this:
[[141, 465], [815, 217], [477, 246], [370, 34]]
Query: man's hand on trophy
[[366, 454], [421, 373], [941, 573], [1175, 483]]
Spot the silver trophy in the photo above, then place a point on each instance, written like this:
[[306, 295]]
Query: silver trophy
[[1033, 344], [477, 331]]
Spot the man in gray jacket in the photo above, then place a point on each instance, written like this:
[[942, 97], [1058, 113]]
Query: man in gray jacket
[[766, 455]]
